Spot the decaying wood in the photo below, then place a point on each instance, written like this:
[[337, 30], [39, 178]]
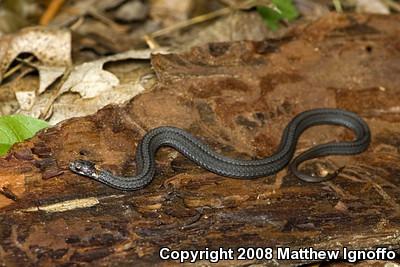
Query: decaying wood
[[237, 97]]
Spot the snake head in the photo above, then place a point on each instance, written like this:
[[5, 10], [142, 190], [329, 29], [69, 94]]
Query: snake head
[[84, 167]]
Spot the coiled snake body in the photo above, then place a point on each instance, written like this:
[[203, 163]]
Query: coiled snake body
[[202, 155]]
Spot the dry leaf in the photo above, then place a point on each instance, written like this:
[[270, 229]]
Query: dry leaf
[[51, 46], [47, 75], [26, 99], [372, 6], [69, 105], [96, 87], [90, 80], [9, 104], [10, 22], [81, 8], [172, 11], [311, 9], [135, 10], [238, 26]]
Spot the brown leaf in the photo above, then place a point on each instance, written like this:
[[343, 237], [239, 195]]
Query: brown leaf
[[372, 6], [96, 88], [90, 80], [51, 46], [133, 10], [238, 26], [172, 11]]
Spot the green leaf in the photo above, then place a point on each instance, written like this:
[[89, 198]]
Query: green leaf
[[284, 9], [16, 128], [270, 17]]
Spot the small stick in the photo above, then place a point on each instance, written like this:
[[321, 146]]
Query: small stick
[[338, 6], [51, 12], [202, 18], [8, 193], [52, 99], [100, 16], [393, 5], [16, 68], [151, 42], [192, 21]]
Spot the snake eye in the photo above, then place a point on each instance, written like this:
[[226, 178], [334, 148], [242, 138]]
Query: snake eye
[[75, 166], [82, 166]]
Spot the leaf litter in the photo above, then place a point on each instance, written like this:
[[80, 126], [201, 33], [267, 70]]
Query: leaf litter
[[52, 47], [96, 87]]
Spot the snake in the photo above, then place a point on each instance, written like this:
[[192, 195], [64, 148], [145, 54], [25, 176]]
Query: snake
[[202, 155]]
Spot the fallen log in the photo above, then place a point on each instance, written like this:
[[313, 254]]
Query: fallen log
[[237, 97]]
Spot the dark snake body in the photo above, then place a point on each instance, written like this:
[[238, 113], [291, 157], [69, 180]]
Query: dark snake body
[[202, 155]]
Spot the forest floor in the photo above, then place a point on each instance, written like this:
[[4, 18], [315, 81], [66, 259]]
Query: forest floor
[[103, 73]]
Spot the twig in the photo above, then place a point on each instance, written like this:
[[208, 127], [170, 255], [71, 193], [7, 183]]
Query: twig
[[202, 18], [338, 6], [77, 23], [151, 42], [27, 61], [192, 21], [45, 112], [101, 17], [5, 191], [16, 68], [51, 11], [393, 5]]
